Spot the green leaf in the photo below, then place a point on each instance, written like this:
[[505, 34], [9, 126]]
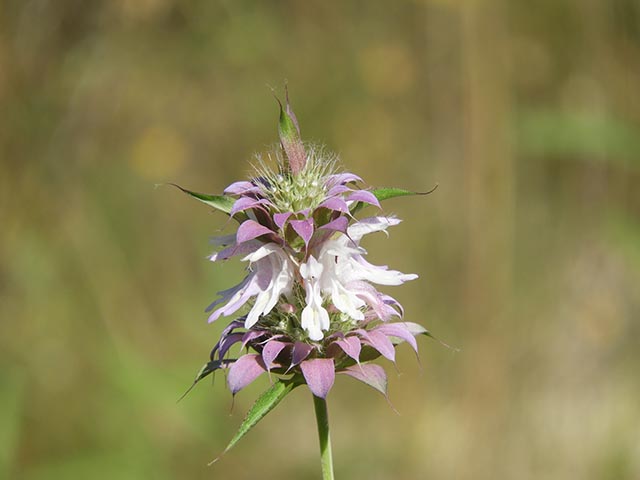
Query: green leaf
[[219, 202], [387, 193], [263, 405], [206, 370], [392, 192], [286, 126]]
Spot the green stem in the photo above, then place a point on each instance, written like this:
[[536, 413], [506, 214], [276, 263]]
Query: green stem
[[322, 419]]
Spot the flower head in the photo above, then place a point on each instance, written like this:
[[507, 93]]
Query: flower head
[[310, 302]]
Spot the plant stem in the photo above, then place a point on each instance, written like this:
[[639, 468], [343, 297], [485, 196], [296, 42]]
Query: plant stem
[[322, 419]]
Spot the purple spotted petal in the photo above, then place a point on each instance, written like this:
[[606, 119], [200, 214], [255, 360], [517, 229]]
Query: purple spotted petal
[[244, 371], [335, 204], [399, 330], [239, 188], [271, 350], [380, 342], [319, 374], [301, 351], [351, 346], [280, 219], [364, 196], [369, 373], [304, 228], [250, 229]]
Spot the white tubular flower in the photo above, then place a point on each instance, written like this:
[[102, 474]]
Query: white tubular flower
[[315, 317], [272, 275], [345, 270]]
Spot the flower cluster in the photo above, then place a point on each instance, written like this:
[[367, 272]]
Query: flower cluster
[[309, 300]]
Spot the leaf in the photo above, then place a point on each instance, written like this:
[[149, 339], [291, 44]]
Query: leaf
[[263, 405], [417, 329], [392, 192], [207, 369], [387, 193], [290, 140], [223, 203]]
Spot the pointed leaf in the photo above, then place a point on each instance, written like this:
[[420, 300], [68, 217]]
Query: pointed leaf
[[320, 374], [223, 203], [369, 373], [263, 405], [207, 369], [417, 329], [386, 193], [290, 139], [392, 192]]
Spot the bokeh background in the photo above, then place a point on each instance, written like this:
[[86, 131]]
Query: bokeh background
[[527, 115]]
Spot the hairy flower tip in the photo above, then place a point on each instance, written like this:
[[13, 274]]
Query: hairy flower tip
[[306, 189]]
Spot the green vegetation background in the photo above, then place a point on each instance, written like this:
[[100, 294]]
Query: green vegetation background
[[527, 114]]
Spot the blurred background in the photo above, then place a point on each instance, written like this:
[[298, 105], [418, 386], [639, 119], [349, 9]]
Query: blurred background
[[527, 115]]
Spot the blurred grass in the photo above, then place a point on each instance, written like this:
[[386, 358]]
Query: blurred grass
[[528, 118]]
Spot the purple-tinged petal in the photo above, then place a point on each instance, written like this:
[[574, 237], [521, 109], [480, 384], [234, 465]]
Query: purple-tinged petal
[[244, 371], [250, 229], [239, 188], [233, 250], [280, 219], [227, 342], [251, 335], [380, 342], [364, 196], [271, 350], [369, 373], [301, 351], [319, 374], [336, 204], [338, 190], [225, 332], [351, 346], [342, 178], [339, 224], [400, 331], [304, 228], [244, 203]]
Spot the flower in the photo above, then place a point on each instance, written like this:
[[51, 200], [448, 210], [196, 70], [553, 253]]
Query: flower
[[312, 304]]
